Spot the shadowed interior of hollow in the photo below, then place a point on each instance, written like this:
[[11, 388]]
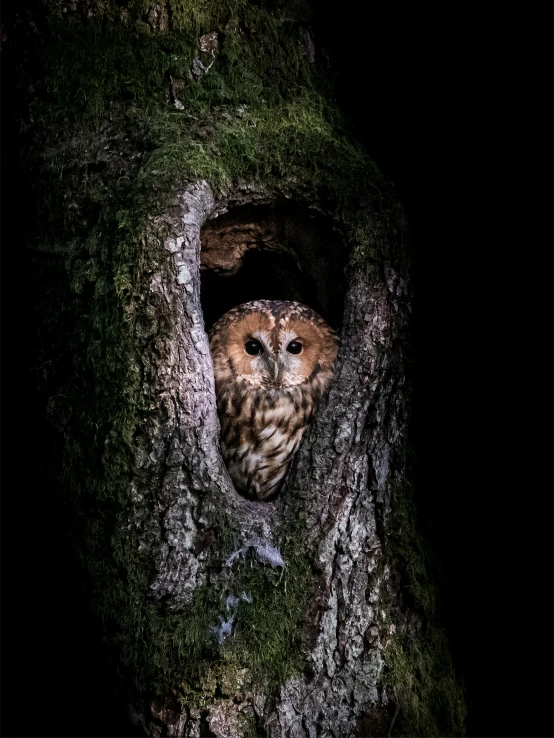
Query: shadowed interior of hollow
[[272, 252]]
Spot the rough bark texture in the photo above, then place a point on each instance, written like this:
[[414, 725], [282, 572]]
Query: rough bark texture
[[307, 616], [342, 474]]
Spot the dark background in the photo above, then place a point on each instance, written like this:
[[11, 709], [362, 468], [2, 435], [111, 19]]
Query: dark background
[[450, 101]]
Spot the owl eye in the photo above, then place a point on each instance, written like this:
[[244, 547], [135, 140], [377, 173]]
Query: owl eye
[[294, 347], [254, 348]]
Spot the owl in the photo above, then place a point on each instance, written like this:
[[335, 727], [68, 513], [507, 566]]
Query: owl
[[273, 361]]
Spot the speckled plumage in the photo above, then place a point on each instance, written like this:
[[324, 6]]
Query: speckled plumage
[[265, 401]]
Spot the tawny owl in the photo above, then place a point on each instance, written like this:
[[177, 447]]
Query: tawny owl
[[273, 361]]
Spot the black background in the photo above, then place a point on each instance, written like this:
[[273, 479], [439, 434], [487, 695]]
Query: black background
[[452, 103]]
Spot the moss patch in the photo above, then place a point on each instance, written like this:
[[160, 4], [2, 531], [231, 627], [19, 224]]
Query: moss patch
[[420, 678], [166, 651], [266, 646], [419, 673]]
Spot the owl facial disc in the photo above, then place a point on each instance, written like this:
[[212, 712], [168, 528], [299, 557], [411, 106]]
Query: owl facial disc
[[273, 361]]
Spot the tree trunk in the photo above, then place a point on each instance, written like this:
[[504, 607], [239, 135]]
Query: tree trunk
[[189, 160]]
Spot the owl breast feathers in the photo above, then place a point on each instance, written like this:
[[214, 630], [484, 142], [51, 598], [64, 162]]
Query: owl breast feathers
[[273, 361]]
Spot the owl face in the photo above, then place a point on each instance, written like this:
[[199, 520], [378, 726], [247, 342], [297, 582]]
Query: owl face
[[273, 361], [275, 351]]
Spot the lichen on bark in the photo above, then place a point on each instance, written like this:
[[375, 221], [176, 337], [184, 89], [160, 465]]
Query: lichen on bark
[[127, 178]]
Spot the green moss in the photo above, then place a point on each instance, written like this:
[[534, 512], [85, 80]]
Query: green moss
[[179, 651], [405, 545], [419, 672], [420, 678]]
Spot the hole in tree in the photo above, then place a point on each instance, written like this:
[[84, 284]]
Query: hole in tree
[[272, 252]]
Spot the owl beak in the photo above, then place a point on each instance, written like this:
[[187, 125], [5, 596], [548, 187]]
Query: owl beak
[[275, 369]]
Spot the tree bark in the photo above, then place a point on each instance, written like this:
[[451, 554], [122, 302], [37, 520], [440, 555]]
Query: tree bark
[[307, 616], [342, 474]]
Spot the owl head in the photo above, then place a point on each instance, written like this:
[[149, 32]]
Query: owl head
[[272, 344]]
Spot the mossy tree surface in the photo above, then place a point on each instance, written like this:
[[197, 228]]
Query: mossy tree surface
[[143, 123]]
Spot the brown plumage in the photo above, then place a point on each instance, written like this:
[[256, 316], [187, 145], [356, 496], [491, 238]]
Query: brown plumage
[[273, 361]]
